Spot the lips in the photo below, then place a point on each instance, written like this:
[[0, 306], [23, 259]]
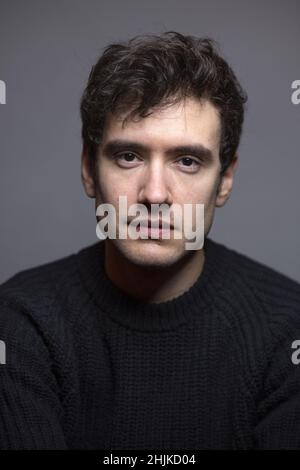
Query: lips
[[153, 224], [157, 224]]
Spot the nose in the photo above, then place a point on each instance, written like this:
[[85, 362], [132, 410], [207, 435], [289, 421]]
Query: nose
[[155, 185]]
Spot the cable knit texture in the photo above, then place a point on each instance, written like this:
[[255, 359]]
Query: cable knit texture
[[88, 367]]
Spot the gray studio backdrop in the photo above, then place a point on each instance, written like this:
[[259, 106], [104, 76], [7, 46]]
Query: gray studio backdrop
[[46, 52]]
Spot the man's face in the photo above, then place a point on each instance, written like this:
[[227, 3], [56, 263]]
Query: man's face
[[140, 161]]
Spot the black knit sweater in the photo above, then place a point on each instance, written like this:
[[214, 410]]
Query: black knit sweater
[[88, 367]]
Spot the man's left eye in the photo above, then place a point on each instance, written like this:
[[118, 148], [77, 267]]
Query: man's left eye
[[188, 162]]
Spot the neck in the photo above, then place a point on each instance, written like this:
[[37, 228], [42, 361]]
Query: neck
[[159, 284]]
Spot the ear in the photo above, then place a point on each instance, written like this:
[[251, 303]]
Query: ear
[[87, 174], [225, 185]]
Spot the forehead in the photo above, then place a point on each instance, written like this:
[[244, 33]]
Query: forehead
[[188, 121]]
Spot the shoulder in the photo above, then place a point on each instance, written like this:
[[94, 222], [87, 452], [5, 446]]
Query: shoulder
[[39, 354], [268, 284], [259, 308], [38, 282], [256, 294], [40, 292]]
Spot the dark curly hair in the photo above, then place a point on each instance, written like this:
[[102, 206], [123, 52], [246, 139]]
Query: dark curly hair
[[151, 71]]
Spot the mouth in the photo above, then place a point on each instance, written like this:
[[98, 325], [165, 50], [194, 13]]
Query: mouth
[[155, 225], [154, 229]]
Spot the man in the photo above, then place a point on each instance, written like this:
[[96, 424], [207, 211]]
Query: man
[[140, 343]]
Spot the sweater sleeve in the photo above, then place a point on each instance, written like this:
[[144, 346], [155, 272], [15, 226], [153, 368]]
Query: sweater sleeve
[[31, 411], [279, 408]]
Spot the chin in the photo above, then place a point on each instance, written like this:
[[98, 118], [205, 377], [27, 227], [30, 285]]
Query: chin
[[151, 253]]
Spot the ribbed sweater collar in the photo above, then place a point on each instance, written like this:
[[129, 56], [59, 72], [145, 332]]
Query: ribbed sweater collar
[[136, 314]]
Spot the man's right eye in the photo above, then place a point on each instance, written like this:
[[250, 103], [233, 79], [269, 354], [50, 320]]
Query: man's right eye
[[128, 157]]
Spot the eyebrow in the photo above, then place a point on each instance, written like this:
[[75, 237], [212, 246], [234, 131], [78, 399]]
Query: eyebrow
[[117, 145]]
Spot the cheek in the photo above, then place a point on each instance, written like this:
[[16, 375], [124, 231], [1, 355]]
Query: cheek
[[110, 186], [203, 191]]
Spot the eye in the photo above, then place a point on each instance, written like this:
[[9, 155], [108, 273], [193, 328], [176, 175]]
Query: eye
[[125, 157], [191, 163]]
